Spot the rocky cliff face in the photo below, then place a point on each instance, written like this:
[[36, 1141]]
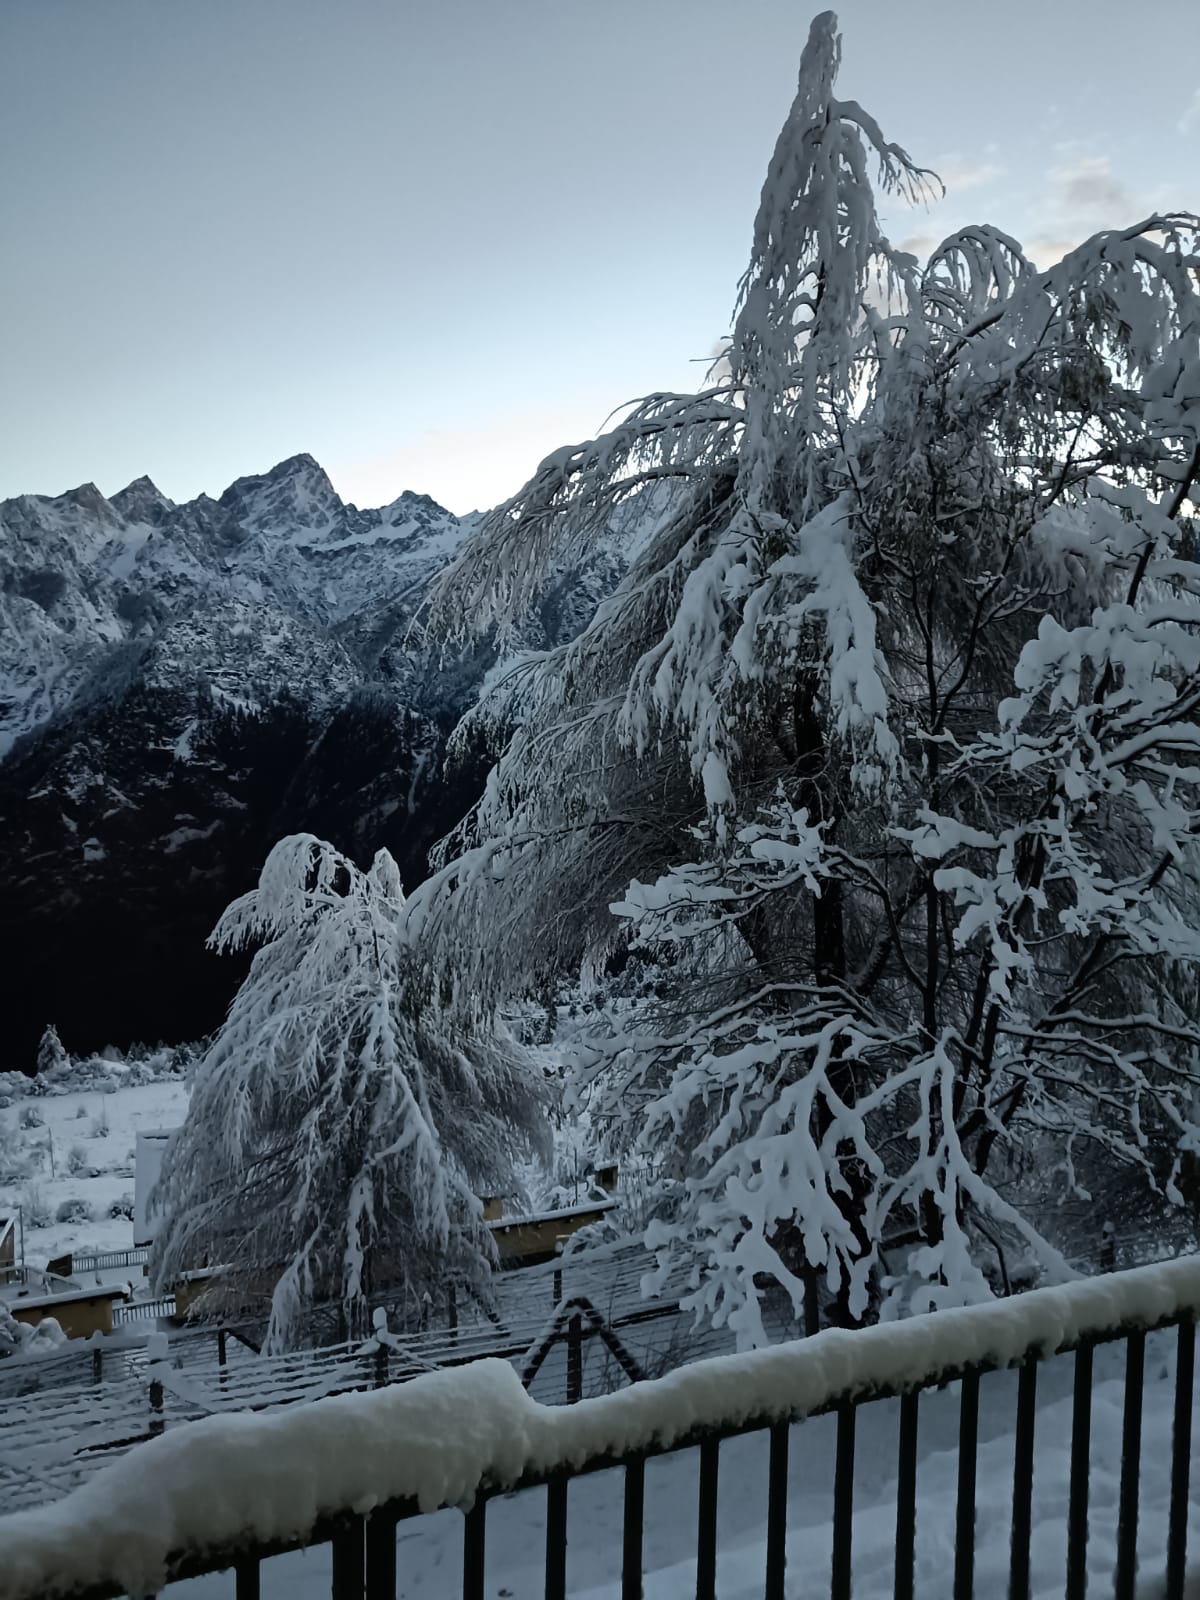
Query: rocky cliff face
[[182, 684]]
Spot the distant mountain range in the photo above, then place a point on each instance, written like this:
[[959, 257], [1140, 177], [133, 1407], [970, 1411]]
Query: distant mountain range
[[180, 685]]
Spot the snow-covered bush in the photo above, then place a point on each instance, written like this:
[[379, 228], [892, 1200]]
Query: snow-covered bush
[[75, 1209], [122, 1206], [14, 1159], [884, 751], [22, 1338], [341, 1125], [76, 1158], [105, 1073], [35, 1208], [31, 1118]]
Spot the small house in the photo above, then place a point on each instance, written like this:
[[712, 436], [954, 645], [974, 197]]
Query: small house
[[78, 1312], [526, 1241]]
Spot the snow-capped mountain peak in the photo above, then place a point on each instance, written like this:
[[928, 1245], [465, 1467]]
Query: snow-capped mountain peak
[[142, 501], [180, 685]]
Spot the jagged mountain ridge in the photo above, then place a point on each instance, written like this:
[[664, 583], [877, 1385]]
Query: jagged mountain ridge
[[80, 574], [182, 684]]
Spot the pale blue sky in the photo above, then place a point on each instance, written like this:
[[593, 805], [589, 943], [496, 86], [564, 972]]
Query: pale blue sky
[[429, 242]]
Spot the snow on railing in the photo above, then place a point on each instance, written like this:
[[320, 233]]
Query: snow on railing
[[231, 1484]]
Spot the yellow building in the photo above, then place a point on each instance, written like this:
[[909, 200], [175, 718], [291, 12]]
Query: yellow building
[[78, 1312], [524, 1241]]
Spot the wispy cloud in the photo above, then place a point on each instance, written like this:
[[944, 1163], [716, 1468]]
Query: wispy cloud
[[1189, 122], [474, 464], [1083, 195], [958, 172]]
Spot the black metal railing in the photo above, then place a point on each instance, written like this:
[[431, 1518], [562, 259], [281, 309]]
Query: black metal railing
[[363, 1547]]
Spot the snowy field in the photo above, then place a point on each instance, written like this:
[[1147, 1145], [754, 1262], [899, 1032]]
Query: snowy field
[[94, 1132], [429, 1549]]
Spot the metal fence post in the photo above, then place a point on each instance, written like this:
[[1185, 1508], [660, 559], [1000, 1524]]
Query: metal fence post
[[349, 1568], [380, 1323], [1181, 1450], [474, 1548], [575, 1359], [247, 1579], [381, 1555], [156, 1349], [1125, 1583], [1081, 1466]]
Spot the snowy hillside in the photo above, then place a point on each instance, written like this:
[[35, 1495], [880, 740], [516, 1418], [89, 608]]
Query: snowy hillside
[[67, 1164]]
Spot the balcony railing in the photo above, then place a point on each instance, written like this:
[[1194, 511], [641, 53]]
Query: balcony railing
[[470, 1437]]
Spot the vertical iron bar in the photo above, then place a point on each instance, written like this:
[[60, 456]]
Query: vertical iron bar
[[777, 1486], [381, 1364], [349, 1565], [556, 1537], [156, 1406], [381, 1555], [1181, 1449], [97, 1364], [474, 1534], [246, 1579], [906, 1498], [631, 1540], [964, 1518], [221, 1352], [843, 1503], [706, 1521], [557, 1287], [1131, 1466], [452, 1312], [1077, 1504], [575, 1360], [1022, 1511]]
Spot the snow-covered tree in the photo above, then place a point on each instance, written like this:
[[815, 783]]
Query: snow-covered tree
[[885, 749], [51, 1053], [340, 1126]]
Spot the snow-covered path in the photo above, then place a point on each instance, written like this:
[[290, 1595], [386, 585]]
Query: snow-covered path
[[429, 1549]]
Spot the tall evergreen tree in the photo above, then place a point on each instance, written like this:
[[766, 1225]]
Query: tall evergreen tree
[[885, 749], [50, 1052], [340, 1127]]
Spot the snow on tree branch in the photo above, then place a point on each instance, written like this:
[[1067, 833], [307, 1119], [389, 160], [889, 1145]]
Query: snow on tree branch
[[340, 1127], [870, 800]]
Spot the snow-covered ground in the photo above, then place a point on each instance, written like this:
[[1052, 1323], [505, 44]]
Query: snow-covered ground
[[94, 1131]]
